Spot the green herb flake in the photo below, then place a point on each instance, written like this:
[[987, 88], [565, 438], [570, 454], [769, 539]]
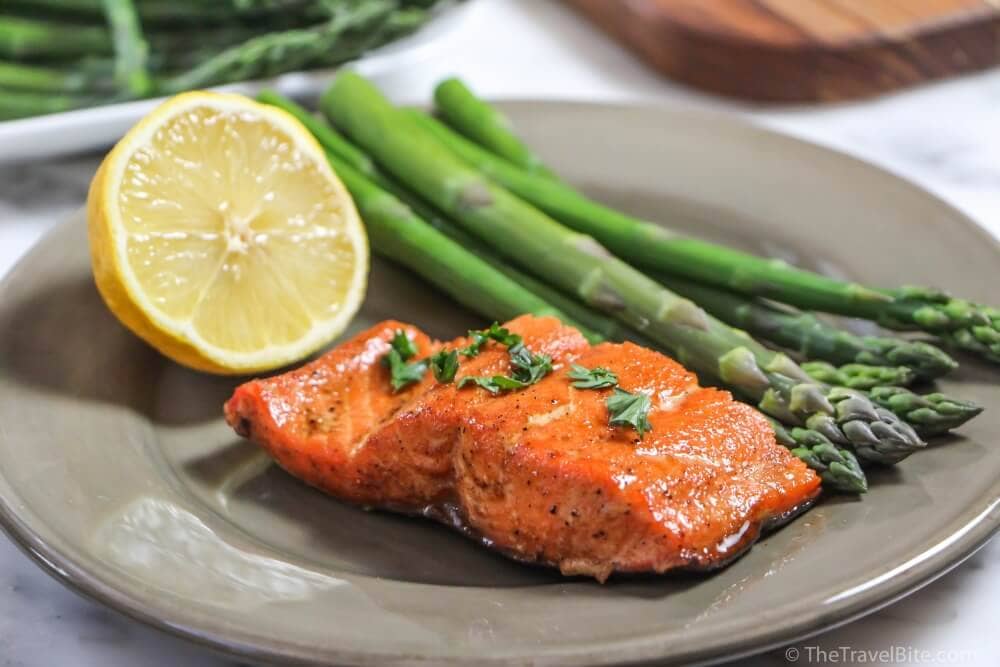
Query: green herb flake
[[494, 384], [404, 345], [494, 332], [444, 364], [401, 373], [628, 409], [592, 378], [528, 367]]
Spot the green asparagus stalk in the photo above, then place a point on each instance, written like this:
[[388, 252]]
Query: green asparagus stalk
[[22, 38], [397, 233], [22, 104], [813, 338], [254, 6], [982, 340], [178, 50], [93, 77], [577, 264], [838, 467], [398, 24], [652, 246], [278, 52], [595, 326], [131, 49], [930, 414], [484, 124], [164, 11], [858, 376]]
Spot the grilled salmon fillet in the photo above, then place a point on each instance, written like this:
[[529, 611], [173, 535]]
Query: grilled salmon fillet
[[536, 473]]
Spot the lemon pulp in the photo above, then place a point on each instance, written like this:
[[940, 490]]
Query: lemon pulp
[[231, 235]]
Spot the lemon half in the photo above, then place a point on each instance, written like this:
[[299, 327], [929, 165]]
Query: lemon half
[[220, 235]]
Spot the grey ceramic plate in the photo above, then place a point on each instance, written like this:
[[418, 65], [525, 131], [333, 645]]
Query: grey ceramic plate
[[120, 478]]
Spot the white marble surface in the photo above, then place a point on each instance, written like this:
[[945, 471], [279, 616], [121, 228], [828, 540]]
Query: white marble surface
[[946, 137]]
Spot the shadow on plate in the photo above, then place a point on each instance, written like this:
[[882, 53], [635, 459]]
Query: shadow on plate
[[59, 337], [64, 340]]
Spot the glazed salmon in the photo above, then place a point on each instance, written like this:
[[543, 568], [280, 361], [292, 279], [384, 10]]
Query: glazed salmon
[[536, 473], [336, 424]]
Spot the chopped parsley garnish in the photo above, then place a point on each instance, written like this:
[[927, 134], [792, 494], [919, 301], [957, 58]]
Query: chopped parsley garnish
[[628, 409], [624, 407], [592, 378], [444, 364], [527, 368], [483, 336], [404, 345], [494, 384], [400, 351]]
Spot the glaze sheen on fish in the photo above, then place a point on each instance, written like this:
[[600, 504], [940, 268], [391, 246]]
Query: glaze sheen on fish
[[536, 473]]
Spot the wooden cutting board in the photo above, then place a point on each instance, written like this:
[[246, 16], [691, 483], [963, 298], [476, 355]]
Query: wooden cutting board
[[804, 50]]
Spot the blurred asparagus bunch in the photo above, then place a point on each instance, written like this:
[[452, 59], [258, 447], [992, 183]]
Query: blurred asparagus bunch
[[471, 208], [59, 55]]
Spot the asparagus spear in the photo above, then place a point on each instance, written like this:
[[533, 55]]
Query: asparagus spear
[[245, 6], [595, 327], [930, 414], [484, 124], [358, 41], [858, 376], [813, 338], [578, 264], [89, 77], [647, 244], [22, 38], [177, 50], [278, 52], [131, 49], [983, 340], [397, 233], [162, 11], [21, 104], [838, 468]]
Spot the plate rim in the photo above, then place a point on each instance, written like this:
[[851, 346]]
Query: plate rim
[[966, 534]]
